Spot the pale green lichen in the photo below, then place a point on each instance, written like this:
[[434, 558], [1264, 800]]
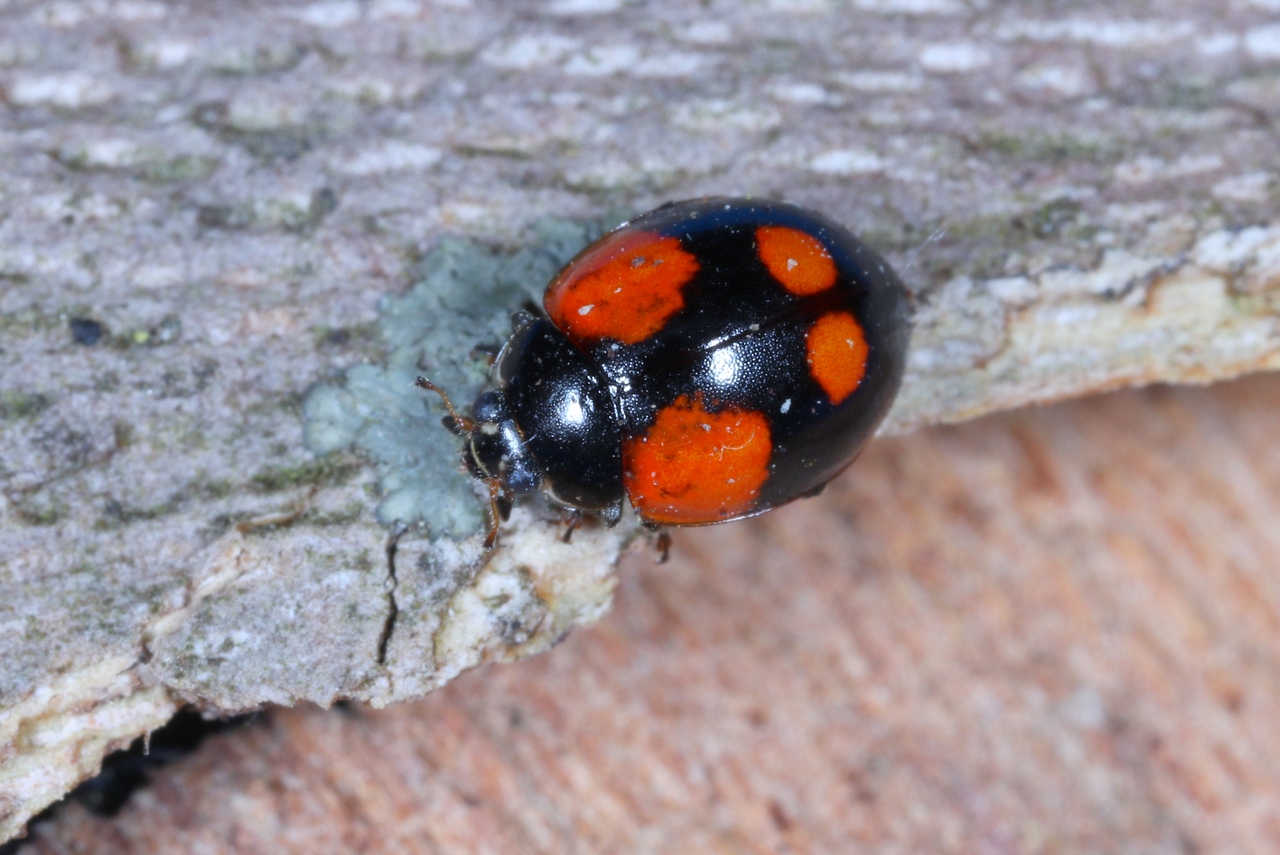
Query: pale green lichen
[[463, 297]]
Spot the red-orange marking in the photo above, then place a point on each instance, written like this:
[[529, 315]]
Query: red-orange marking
[[837, 354], [696, 467], [796, 259], [626, 288]]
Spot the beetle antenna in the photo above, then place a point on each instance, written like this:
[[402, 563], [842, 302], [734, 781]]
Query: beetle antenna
[[463, 423]]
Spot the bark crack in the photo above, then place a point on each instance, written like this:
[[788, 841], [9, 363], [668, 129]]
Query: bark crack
[[393, 608]]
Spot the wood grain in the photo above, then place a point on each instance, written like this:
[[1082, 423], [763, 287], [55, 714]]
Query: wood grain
[[1051, 631]]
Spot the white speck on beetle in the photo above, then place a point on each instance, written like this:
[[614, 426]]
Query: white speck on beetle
[[786, 406], [792, 264], [586, 310], [754, 328], [637, 261]]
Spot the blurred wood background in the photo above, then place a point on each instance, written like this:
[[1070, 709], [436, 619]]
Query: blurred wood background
[[1050, 631]]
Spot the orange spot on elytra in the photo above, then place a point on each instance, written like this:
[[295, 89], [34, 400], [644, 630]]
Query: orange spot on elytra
[[796, 259], [695, 466], [837, 354], [624, 288]]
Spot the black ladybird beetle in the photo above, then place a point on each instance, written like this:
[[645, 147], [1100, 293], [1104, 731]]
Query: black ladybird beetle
[[708, 361]]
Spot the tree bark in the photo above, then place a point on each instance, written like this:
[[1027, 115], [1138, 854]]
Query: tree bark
[[230, 236]]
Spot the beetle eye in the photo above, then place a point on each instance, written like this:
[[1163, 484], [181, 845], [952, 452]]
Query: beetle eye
[[453, 426], [488, 408]]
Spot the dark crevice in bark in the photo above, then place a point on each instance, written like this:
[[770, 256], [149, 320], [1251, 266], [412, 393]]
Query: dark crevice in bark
[[125, 772], [393, 609]]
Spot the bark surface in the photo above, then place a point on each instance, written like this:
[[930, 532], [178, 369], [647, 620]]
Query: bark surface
[[231, 232]]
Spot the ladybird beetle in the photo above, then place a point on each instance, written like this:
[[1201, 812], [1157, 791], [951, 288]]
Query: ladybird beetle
[[708, 361]]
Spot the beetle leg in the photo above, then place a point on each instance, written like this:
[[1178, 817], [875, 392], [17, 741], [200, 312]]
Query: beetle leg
[[663, 542], [610, 514], [488, 352], [495, 512], [505, 503], [663, 545], [816, 491], [573, 519]]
